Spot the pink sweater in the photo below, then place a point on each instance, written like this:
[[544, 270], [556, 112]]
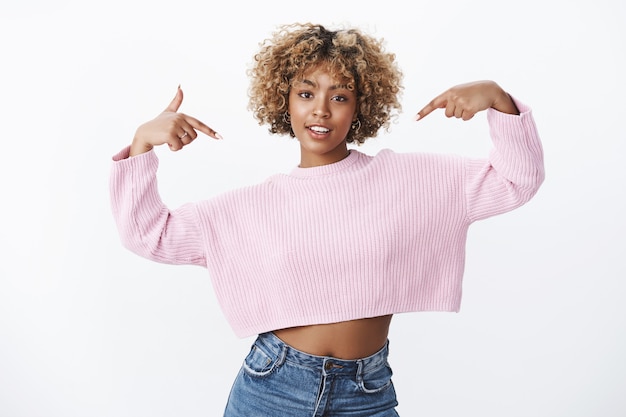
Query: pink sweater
[[366, 236]]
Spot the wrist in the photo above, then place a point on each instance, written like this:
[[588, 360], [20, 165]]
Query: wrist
[[504, 103], [137, 148]]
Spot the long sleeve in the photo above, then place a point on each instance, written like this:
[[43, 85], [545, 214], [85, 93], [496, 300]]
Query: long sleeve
[[145, 224], [514, 171]]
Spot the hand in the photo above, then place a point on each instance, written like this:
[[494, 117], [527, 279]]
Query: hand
[[465, 100], [175, 129]]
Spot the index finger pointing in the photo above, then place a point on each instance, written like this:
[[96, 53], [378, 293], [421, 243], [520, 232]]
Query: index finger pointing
[[436, 103], [198, 125]]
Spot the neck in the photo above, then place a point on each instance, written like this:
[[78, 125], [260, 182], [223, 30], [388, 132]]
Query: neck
[[308, 160]]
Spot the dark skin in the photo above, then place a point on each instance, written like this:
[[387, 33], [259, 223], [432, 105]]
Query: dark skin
[[345, 340], [350, 339]]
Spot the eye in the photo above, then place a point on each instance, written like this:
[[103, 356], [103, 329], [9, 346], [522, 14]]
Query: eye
[[340, 99], [305, 94]]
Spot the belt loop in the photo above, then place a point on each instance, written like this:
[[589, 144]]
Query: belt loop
[[283, 354], [359, 371]]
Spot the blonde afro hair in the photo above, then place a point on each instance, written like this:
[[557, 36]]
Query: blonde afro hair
[[348, 53]]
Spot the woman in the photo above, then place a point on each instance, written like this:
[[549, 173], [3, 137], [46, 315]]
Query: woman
[[317, 261]]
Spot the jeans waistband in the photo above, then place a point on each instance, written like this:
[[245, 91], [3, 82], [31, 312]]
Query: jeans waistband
[[328, 364]]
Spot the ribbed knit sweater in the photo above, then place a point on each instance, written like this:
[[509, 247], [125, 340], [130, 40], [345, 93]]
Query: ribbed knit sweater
[[363, 237]]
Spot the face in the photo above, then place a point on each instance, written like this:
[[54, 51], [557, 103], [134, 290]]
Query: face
[[322, 110]]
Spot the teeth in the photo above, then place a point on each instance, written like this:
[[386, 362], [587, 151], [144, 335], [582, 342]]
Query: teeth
[[319, 129]]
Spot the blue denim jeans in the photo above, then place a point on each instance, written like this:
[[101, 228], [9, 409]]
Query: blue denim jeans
[[277, 380]]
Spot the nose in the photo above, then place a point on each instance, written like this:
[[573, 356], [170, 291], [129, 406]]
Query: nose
[[321, 108]]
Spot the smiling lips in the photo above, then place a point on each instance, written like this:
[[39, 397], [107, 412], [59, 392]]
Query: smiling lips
[[319, 129]]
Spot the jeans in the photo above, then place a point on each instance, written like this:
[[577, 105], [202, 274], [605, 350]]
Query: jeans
[[277, 380]]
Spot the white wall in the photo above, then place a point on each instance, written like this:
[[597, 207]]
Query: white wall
[[89, 329]]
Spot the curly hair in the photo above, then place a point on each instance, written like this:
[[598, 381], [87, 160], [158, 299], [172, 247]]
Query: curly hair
[[349, 54]]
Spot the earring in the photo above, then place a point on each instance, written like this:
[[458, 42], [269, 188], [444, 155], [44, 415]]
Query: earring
[[286, 117], [356, 125]]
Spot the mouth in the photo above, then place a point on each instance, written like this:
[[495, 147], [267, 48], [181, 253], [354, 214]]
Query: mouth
[[319, 130]]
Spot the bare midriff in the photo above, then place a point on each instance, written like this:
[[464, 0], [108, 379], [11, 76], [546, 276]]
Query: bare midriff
[[344, 340]]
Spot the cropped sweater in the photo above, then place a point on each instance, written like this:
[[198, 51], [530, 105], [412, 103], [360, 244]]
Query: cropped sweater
[[362, 237]]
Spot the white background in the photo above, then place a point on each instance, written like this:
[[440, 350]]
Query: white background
[[89, 329]]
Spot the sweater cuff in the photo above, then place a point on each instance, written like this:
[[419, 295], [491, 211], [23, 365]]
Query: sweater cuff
[[123, 160], [497, 117]]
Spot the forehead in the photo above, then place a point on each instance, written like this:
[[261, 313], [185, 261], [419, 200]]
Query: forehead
[[323, 71]]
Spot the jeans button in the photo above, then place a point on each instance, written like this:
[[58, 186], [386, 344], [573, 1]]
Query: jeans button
[[328, 366]]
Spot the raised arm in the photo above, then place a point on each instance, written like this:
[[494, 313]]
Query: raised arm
[[514, 170], [146, 225]]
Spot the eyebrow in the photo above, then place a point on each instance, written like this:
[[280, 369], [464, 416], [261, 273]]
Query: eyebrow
[[332, 87]]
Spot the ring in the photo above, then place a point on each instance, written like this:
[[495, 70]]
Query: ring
[[184, 134]]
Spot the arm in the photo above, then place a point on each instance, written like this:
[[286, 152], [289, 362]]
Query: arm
[[146, 226], [515, 170]]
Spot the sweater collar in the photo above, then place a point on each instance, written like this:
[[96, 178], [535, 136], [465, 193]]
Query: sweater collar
[[330, 169]]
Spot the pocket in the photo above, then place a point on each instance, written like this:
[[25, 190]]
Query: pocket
[[259, 363], [377, 380]]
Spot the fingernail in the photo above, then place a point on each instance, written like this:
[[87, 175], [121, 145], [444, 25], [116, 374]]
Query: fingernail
[[217, 135], [417, 117]]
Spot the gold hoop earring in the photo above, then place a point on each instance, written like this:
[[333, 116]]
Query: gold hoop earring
[[356, 125], [286, 117]]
